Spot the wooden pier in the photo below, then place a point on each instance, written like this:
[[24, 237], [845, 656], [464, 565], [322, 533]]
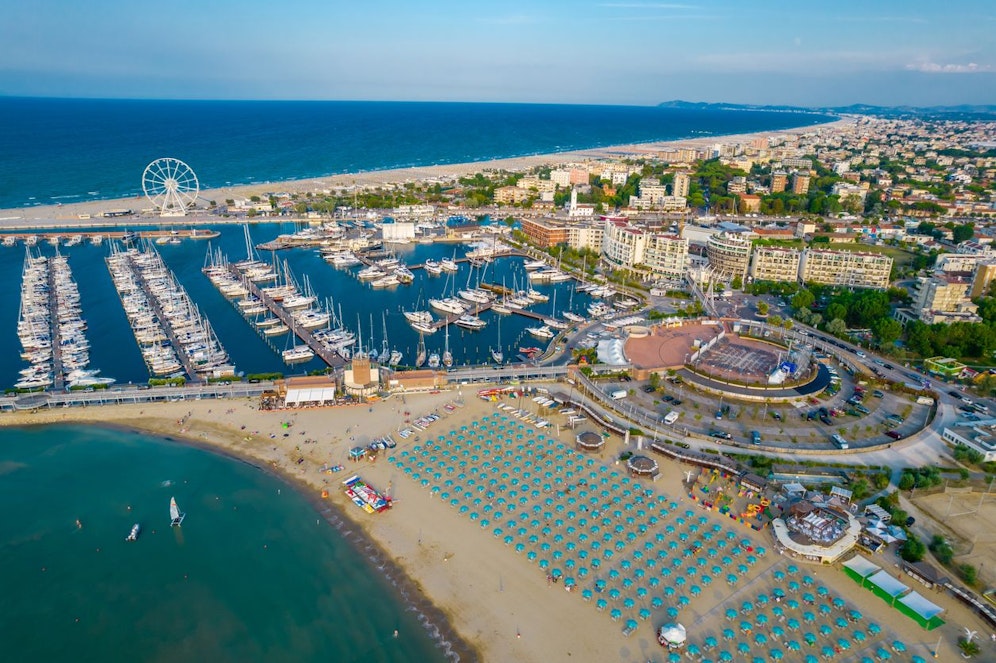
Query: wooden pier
[[330, 357]]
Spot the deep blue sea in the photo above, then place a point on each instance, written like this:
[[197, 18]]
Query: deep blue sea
[[78, 149]]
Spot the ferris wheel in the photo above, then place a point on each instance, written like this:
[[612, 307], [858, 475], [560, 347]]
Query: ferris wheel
[[170, 185]]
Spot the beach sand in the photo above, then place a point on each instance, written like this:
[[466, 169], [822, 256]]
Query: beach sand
[[68, 215], [498, 601]]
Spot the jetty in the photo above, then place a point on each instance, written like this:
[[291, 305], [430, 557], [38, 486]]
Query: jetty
[[53, 305], [331, 357], [31, 238]]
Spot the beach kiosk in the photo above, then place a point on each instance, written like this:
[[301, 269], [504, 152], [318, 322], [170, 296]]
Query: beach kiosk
[[643, 466], [672, 636], [589, 441]]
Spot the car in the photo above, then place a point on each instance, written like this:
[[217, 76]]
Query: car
[[719, 414], [966, 400], [825, 419], [887, 367], [862, 409], [676, 401], [812, 414], [878, 393], [894, 435], [722, 435], [625, 378], [647, 389], [824, 412], [861, 354], [668, 398], [966, 408], [910, 521], [954, 394], [777, 416]]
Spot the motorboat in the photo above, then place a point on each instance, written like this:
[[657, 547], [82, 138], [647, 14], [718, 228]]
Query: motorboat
[[133, 534], [470, 322], [541, 332]]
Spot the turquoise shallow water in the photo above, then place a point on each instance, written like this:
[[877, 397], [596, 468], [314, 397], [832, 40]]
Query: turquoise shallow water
[[253, 574]]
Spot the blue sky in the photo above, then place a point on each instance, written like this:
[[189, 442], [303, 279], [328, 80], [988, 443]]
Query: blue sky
[[748, 51]]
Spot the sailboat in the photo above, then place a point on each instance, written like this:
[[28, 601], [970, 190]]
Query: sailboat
[[297, 353], [420, 359], [175, 516], [393, 358], [447, 355], [496, 353]]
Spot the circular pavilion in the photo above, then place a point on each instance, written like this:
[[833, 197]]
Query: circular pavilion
[[642, 466], [589, 441]]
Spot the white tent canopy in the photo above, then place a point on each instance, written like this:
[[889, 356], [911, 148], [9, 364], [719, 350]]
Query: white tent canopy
[[921, 605], [884, 581], [319, 395], [862, 566], [610, 351]]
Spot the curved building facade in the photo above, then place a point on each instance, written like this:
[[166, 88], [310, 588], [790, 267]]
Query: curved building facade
[[729, 253]]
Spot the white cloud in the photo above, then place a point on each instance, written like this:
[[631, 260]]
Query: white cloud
[[929, 67]]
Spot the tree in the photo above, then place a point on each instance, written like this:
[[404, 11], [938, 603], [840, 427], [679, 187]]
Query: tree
[[762, 308], [906, 481], [837, 327], [963, 233], [836, 311], [737, 283], [803, 299], [913, 549], [886, 331]]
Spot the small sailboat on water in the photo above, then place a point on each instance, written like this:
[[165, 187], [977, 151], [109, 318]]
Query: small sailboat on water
[[175, 515], [133, 535]]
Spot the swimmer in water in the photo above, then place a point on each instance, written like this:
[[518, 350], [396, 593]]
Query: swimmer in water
[[79, 525], [395, 632]]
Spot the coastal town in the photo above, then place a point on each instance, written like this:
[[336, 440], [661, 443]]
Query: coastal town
[[763, 410]]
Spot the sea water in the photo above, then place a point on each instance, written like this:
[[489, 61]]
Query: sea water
[[253, 574], [68, 150]]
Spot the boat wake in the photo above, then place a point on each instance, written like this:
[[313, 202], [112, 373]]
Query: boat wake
[[167, 483]]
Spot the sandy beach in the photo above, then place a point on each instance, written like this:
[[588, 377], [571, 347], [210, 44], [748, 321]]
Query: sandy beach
[[68, 215], [495, 597]]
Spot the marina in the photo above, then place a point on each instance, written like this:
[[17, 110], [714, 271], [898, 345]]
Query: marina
[[256, 337]]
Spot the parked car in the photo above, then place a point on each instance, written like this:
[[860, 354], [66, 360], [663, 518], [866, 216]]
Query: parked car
[[895, 435], [722, 435], [825, 419], [878, 393]]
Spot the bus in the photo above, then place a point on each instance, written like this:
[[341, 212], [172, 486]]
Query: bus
[[839, 441]]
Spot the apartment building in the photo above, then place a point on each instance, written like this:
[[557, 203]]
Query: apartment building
[[985, 273], [779, 180], [623, 245], [681, 185], [510, 195], [941, 298], [775, 263], [848, 268], [800, 184], [667, 256], [729, 253], [545, 233]]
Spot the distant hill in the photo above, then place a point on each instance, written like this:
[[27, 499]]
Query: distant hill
[[960, 112]]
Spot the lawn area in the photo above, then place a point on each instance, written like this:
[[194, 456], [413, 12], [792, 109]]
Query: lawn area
[[900, 257]]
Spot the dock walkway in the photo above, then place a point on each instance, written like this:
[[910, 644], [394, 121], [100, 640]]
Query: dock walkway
[[56, 332], [330, 357], [167, 327]]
